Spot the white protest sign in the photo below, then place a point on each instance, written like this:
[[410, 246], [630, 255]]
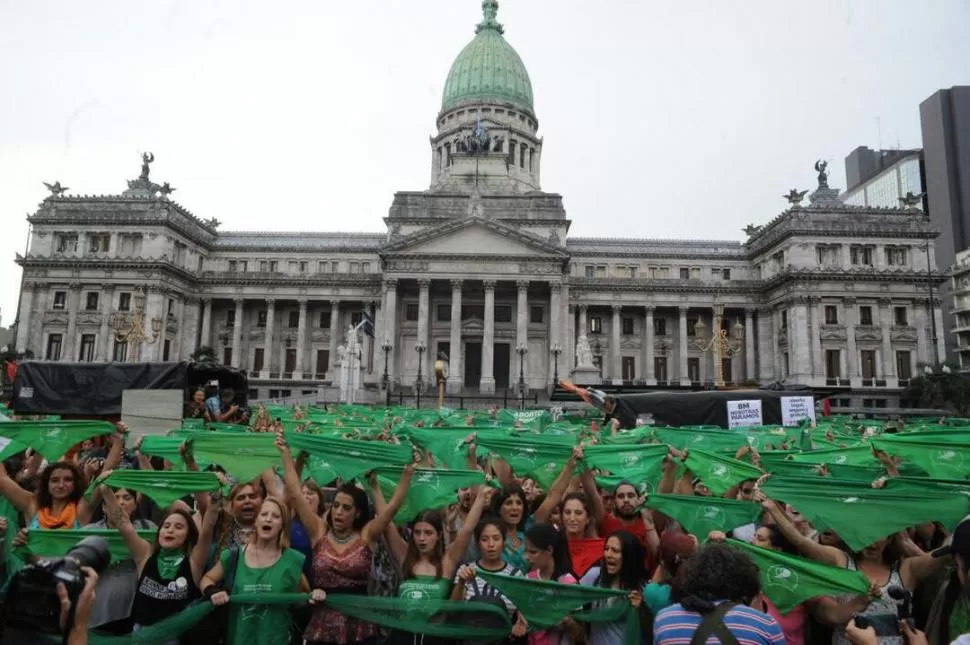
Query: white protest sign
[[796, 408], [743, 414]]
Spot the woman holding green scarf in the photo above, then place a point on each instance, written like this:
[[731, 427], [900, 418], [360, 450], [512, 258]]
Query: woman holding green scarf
[[169, 570], [343, 549], [623, 568]]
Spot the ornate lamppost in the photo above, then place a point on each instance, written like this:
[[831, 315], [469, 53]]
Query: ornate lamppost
[[556, 351], [522, 350], [420, 348], [130, 329], [720, 344], [386, 347]]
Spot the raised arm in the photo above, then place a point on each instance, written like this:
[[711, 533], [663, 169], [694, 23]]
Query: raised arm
[[558, 488], [200, 552], [460, 544], [913, 571], [313, 523], [397, 544], [592, 494], [139, 549], [22, 500], [376, 526], [807, 547]]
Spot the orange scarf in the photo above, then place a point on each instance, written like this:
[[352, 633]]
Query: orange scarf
[[66, 519]]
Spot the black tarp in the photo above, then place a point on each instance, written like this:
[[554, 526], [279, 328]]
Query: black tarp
[[698, 408], [95, 389]]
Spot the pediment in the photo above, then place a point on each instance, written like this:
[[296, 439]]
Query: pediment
[[473, 236]]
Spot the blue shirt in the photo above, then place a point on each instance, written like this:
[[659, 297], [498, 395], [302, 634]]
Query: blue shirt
[[214, 404], [676, 626]]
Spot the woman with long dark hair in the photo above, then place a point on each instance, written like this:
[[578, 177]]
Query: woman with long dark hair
[[622, 568], [548, 555]]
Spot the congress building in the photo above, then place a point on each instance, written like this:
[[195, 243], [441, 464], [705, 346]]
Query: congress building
[[479, 266]]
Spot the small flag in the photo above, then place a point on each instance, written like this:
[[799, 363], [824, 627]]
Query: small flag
[[367, 324]]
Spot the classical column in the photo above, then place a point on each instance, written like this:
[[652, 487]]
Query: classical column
[[269, 344], [301, 341], [73, 305], [682, 341], [567, 338], [35, 333], [105, 332], [427, 359], [161, 314], [237, 325], [390, 325], [379, 327], [940, 350], [767, 347], [522, 324], [24, 323], [583, 324], [487, 385], [800, 353], [334, 339], [923, 349], [852, 360], [816, 309], [555, 330], [367, 341], [455, 380], [205, 334], [749, 373], [616, 368], [888, 360], [646, 372], [181, 347]]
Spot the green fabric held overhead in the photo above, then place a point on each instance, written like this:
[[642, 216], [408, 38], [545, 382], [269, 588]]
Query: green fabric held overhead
[[447, 445], [234, 428], [610, 482], [53, 439], [537, 457], [701, 439], [719, 473], [346, 458], [940, 457], [430, 488], [164, 487], [168, 448], [701, 515], [8, 447], [857, 455], [52, 543], [862, 517], [789, 580], [643, 434], [420, 614], [244, 456], [525, 418], [636, 463], [193, 424]]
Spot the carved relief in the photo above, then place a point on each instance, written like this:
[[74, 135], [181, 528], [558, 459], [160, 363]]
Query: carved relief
[[903, 334], [408, 265], [541, 268], [832, 332], [867, 332]]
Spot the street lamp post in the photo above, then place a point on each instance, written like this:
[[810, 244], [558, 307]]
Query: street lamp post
[[556, 351], [719, 344], [522, 350], [419, 347], [386, 380], [131, 331]]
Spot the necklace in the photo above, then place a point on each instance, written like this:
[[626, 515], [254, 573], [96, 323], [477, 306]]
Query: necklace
[[341, 540]]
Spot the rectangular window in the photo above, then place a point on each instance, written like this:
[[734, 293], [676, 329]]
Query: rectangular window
[[233, 266], [166, 350], [503, 313], [684, 273], [60, 300], [324, 322], [99, 242], [786, 364], [289, 361], [293, 266], [303, 266], [227, 355], [695, 273], [727, 371], [258, 354], [628, 367], [354, 267], [86, 353], [598, 364], [274, 266], [691, 327], [868, 357], [900, 316], [694, 370], [601, 271], [356, 318], [119, 353], [261, 318], [411, 312], [595, 325], [865, 315], [171, 306], [323, 362], [274, 394], [726, 274], [660, 368], [631, 272], [536, 315], [443, 313], [286, 393], [833, 364], [861, 254], [131, 245], [124, 302], [784, 319], [627, 326], [715, 274], [323, 266], [590, 271], [904, 366], [335, 267], [231, 318], [293, 319], [831, 315], [365, 267], [243, 266], [473, 312], [896, 256], [263, 268], [65, 243], [660, 326], [91, 302]]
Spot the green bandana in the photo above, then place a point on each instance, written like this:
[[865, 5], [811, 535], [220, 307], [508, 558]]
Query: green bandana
[[943, 459], [347, 459], [701, 515], [851, 456], [169, 561], [447, 445], [165, 487], [430, 489], [168, 448], [245, 456], [537, 457], [53, 439], [788, 580], [719, 473], [429, 616], [637, 463], [47, 543]]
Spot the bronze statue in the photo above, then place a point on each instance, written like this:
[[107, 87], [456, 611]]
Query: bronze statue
[[146, 159], [795, 197], [166, 190], [910, 200], [751, 230], [56, 189], [823, 177]]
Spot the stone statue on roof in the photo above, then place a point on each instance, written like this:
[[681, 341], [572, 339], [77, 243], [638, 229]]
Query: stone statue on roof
[[56, 189], [823, 176], [146, 158]]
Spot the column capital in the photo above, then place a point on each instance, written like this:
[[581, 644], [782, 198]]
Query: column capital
[[424, 283], [390, 283], [302, 302], [885, 302], [335, 302], [555, 287], [649, 309], [206, 301], [522, 285], [489, 285], [271, 302], [74, 285], [581, 308], [616, 308], [683, 309], [457, 284], [108, 288], [239, 301], [850, 301]]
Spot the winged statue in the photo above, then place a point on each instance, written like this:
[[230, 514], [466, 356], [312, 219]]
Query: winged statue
[[795, 196], [56, 189]]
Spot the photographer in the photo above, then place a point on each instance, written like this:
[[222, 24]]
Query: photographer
[[78, 634]]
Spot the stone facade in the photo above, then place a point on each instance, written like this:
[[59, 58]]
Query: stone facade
[[480, 266]]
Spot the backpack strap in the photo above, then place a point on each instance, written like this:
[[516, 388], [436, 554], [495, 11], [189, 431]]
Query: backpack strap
[[230, 577], [713, 625]]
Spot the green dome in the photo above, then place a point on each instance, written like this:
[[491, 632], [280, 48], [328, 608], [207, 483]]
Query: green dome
[[488, 68]]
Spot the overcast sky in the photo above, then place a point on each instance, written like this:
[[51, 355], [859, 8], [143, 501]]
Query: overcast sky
[[661, 119]]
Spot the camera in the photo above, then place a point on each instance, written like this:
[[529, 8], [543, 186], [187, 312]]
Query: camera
[[32, 606], [886, 625]]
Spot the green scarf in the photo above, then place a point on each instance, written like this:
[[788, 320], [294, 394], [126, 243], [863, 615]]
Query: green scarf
[[165, 487], [169, 561], [53, 439], [701, 515], [447, 445], [636, 463], [859, 455], [347, 459], [719, 473], [47, 543], [533, 456], [789, 580], [245, 456], [940, 458], [430, 489]]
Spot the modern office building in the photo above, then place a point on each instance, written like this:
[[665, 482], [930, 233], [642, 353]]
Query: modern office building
[[480, 266], [879, 178]]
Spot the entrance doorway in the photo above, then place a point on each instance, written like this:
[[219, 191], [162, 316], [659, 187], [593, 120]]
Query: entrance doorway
[[473, 364], [503, 355]]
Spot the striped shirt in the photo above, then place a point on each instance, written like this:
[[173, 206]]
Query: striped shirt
[[676, 626]]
